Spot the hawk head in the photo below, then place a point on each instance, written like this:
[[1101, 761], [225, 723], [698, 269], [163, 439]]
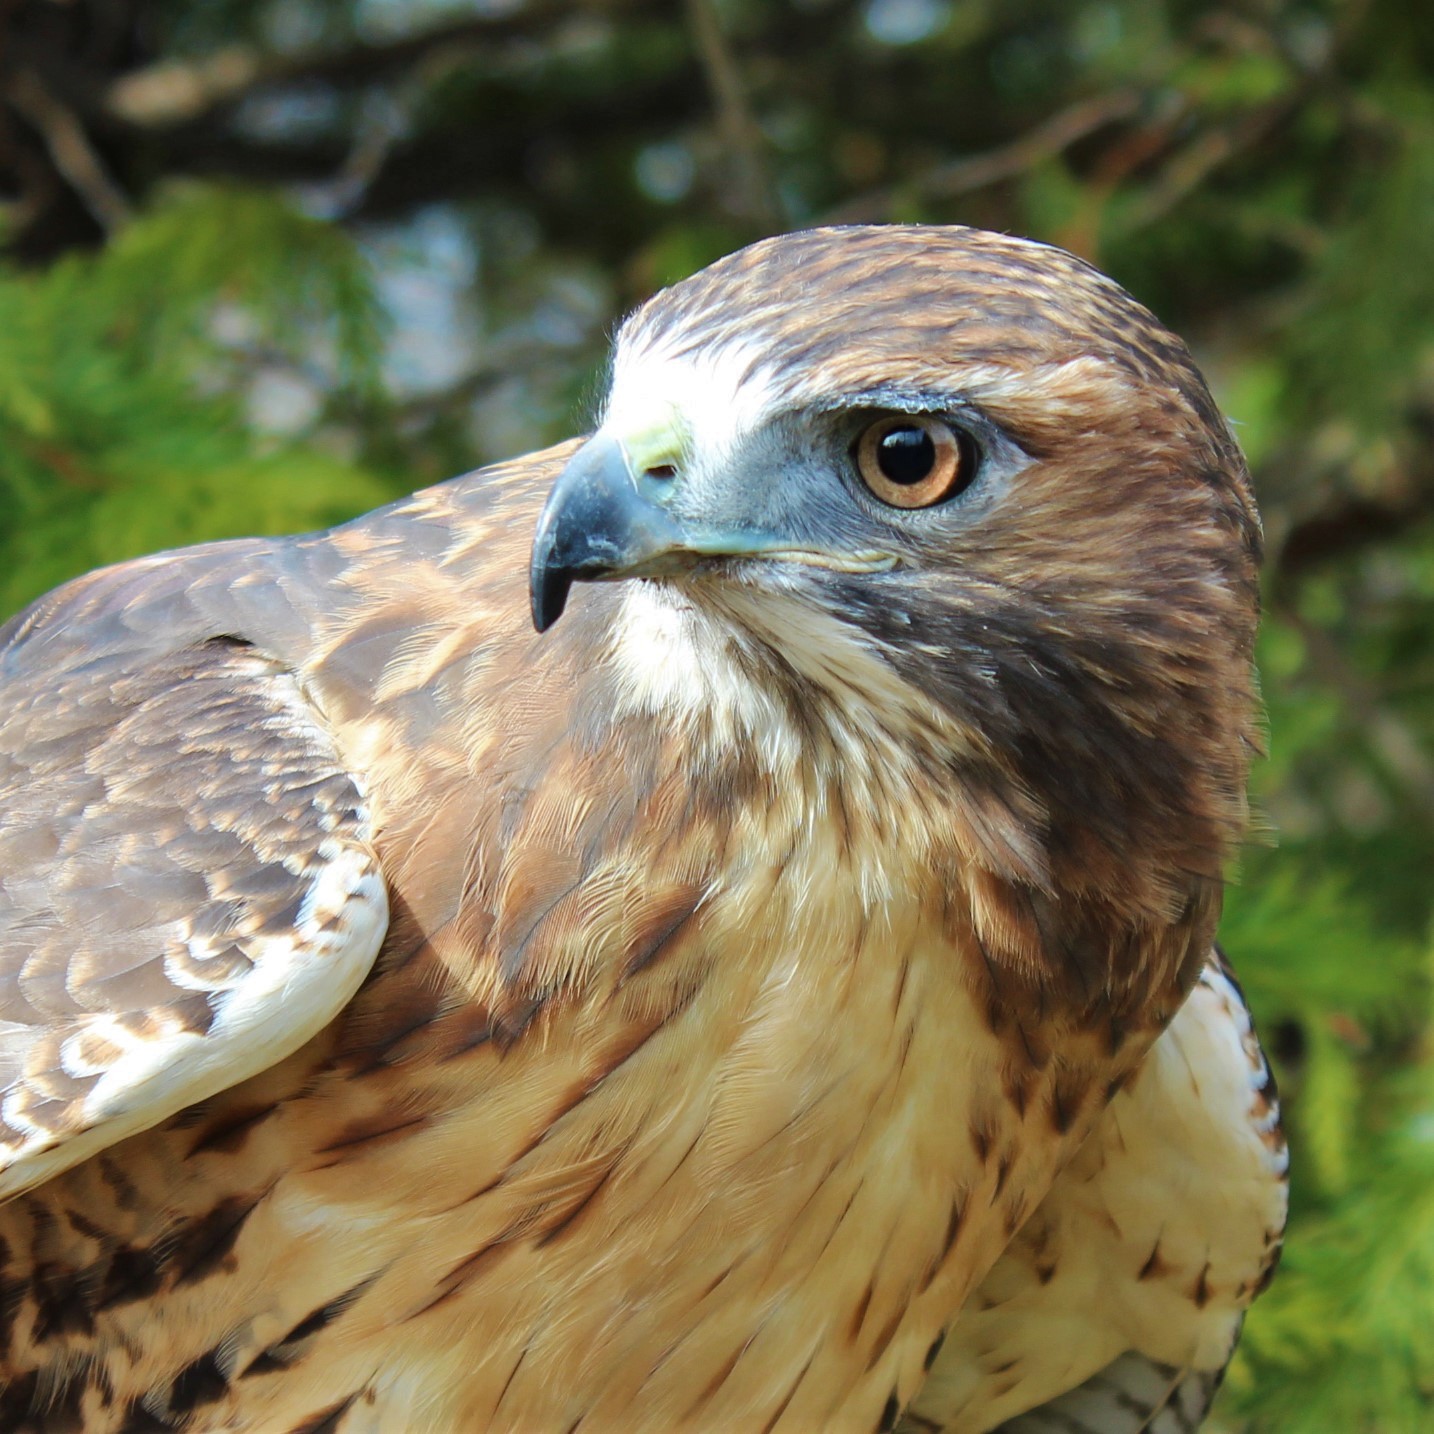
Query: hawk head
[[959, 506]]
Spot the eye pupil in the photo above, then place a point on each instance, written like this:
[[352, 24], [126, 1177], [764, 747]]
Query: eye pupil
[[906, 455], [914, 461]]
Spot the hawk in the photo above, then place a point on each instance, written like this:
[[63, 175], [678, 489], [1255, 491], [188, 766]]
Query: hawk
[[735, 1005]]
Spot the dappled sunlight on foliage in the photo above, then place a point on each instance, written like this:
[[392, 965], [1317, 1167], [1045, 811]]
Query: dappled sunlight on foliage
[[122, 386]]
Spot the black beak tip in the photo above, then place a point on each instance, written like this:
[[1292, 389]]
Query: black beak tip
[[548, 589], [594, 525]]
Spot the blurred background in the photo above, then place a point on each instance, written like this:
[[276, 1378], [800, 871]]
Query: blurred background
[[268, 263]]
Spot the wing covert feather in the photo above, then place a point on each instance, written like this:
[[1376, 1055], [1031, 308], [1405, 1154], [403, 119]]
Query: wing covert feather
[[188, 890], [1132, 1395]]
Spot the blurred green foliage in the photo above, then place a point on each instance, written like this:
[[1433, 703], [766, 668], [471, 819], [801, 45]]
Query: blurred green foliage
[[273, 263], [122, 426]]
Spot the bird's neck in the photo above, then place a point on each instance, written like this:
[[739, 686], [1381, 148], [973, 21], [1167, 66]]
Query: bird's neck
[[686, 1016]]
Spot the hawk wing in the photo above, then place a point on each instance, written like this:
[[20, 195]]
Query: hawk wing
[[1133, 1395], [189, 891], [1117, 1306]]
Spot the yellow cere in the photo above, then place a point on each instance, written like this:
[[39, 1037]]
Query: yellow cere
[[660, 441]]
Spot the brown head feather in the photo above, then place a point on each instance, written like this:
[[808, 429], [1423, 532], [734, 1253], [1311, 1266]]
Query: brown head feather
[[1088, 629]]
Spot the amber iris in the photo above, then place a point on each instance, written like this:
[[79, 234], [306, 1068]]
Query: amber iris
[[912, 461]]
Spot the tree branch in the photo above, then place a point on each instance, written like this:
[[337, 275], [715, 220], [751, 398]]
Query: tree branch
[[1188, 169], [70, 149], [1051, 137], [178, 92], [736, 124], [1390, 738]]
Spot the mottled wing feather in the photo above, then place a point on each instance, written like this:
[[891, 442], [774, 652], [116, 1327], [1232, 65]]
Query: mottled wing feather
[[1117, 1306], [1133, 1395], [187, 887]]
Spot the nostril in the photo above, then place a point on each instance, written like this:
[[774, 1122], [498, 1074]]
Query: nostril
[[662, 470]]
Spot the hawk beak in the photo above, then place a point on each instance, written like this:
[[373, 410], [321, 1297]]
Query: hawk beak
[[608, 517], [600, 521]]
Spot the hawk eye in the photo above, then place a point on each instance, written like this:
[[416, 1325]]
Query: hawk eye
[[912, 461]]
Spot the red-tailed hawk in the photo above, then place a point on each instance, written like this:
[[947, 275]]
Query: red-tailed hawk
[[411, 1021]]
